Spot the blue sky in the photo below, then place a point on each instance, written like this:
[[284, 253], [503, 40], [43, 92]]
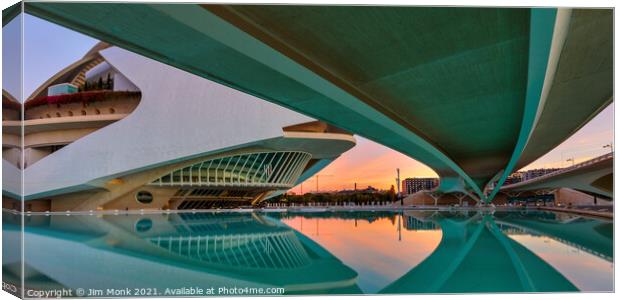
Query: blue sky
[[11, 51], [48, 48]]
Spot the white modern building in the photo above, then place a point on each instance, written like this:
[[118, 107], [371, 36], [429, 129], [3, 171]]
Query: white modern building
[[116, 130]]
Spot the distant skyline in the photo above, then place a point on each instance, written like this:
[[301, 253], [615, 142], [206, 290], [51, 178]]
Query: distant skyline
[[48, 48]]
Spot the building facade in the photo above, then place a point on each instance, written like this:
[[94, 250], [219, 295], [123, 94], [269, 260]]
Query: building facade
[[414, 185], [514, 178], [116, 130], [520, 176], [531, 174]]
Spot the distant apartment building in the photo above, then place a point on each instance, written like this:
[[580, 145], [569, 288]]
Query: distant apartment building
[[515, 177], [531, 174], [414, 185], [411, 223]]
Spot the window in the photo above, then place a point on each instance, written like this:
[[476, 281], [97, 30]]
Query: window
[[144, 197], [70, 113], [97, 111], [83, 112], [112, 110], [58, 115]]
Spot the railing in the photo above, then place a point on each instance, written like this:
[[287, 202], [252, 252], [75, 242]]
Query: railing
[[83, 97]]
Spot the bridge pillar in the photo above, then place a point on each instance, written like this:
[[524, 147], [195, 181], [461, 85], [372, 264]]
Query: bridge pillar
[[460, 196], [435, 197]]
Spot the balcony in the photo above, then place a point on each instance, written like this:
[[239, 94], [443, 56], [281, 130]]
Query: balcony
[[82, 97]]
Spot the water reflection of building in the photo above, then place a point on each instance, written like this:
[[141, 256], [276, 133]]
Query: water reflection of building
[[197, 237], [115, 130], [412, 223], [258, 250], [369, 216], [172, 251]]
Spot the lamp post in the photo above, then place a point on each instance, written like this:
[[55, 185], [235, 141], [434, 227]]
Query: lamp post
[[571, 160], [317, 180], [398, 197], [400, 216], [610, 146]]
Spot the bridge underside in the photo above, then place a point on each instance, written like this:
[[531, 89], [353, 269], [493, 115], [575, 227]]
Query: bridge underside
[[472, 92]]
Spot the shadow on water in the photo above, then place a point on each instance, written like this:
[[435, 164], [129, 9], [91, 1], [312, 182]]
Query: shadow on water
[[478, 252]]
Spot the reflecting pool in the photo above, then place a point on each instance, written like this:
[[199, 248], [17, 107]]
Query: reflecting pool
[[338, 252]]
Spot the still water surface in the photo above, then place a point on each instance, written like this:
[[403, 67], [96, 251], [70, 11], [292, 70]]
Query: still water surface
[[322, 252]]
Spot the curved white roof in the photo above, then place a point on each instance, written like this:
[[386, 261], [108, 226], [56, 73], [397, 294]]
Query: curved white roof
[[179, 116]]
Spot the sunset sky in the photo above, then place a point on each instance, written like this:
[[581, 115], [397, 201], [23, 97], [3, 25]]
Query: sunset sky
[[48, 48]]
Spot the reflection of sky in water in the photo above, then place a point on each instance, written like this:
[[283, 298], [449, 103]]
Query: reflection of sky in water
[[586, 271], [374, 251], [324, 253], [371, 249]]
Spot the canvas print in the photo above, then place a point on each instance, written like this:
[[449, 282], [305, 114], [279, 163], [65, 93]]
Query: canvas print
[[214, 149]]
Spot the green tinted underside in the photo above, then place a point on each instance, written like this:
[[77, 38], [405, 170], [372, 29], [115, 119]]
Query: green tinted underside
[[454, 76], [9, 13]]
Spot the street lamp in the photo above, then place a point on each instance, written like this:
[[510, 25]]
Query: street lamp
[[572, 160], [610, 146]]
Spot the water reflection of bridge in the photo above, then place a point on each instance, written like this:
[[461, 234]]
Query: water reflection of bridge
[[461, 262], [589, 235], [476, 253], [512, 229]]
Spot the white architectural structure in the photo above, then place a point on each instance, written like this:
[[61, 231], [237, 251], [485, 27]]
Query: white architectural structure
[[187, 139]]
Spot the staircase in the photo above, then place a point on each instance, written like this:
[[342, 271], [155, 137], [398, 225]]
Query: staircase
[[80, 78]]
